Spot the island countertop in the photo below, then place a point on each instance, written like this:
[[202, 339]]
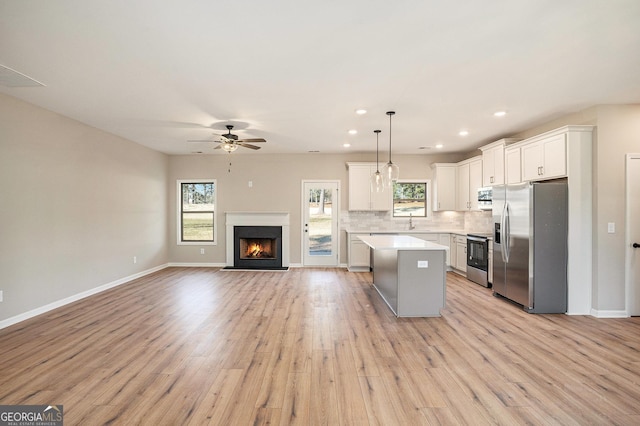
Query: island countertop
[[399, 242]]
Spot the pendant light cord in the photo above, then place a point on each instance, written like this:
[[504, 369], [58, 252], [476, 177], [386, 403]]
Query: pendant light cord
[[390, 113], [377, 132]]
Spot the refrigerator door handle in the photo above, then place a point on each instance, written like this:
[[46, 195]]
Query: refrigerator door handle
[[507, 231], [503, 252]]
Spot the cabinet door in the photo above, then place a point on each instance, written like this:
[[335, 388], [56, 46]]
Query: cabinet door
[[445, 239], [444, 188], [545, 159], [359, 254], [453, 248], [555, 157], [462, 192], [532, 161], [488, 166], [461, 257], [475, 182], [512, 165], [359, 187], [493, 166]]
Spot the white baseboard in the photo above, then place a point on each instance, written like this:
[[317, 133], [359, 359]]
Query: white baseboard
[[609, 314], [196, 265], [59, 303]]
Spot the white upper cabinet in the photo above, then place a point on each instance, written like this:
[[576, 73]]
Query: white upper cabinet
[[444, 186], [493, 170], [512, 165], [544, 159], [361, 196], [469, 179]]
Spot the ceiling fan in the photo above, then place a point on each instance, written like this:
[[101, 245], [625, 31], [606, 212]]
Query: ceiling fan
[[230, 142]]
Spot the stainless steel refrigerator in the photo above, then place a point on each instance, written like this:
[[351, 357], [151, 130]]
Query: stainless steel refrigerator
[[530, 222]]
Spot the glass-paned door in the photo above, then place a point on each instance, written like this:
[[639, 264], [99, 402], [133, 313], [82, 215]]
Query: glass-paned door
[[320, 223]]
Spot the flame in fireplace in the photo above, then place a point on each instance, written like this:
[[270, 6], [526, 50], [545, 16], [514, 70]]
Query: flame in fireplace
[[257, 250]]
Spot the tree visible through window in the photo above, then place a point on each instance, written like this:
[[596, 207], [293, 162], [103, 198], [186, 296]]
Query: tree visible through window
[[410, 199], [197, 211]]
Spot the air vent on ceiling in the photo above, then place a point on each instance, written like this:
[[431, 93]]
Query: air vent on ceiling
[[13, 78]]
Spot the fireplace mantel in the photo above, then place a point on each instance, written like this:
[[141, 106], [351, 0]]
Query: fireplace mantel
[[257, 219]]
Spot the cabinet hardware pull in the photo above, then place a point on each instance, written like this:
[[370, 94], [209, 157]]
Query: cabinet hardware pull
[[636, 245]]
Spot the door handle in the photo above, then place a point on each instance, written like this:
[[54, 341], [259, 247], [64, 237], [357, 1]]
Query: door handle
[[636, 245]]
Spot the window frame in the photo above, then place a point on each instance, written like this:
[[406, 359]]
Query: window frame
[[179, 212], [427, 197]]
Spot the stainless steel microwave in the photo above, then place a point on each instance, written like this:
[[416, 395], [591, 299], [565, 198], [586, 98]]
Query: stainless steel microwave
[[485, 198]]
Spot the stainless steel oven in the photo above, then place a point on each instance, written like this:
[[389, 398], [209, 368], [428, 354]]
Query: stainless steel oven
[[478, 259]]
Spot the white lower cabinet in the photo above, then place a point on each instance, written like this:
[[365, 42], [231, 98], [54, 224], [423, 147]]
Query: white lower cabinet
[[359, 258], [461, 254]]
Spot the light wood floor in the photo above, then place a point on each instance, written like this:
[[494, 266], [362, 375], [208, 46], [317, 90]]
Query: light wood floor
[[316, 347]]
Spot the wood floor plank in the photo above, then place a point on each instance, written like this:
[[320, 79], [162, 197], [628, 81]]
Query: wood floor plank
[[316, 346]]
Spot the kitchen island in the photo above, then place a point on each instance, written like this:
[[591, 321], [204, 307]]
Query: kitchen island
[[409, 274]]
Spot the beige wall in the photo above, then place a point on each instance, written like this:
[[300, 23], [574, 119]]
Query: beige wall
[[277, 182], [618, 134], [76, 204]]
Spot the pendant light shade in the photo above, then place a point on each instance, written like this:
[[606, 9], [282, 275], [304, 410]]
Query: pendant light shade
[[391, 171], [377, 179]]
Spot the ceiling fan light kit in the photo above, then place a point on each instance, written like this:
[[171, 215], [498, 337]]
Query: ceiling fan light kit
[[392, 171], [229, 147], [230, 142], [377, 179]]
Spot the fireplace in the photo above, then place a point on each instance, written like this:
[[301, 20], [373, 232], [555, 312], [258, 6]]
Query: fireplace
[[257, 247], [269, 248]]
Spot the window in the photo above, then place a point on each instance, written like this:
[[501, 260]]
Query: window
[[196, 212], [410, 199]]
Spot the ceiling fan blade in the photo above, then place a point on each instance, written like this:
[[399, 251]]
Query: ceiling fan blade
[[254, 140], [246, 145], [203, 140]]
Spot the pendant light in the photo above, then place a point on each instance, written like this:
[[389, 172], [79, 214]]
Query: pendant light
[[391, 171], [377, 179]]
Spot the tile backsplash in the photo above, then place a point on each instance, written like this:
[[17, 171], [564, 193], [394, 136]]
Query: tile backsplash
[[382, 221]]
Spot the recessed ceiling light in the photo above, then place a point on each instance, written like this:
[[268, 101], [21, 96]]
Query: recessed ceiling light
[[439, 146], [463, 133], [361, 111], [353, 131], [500, 113], [346, 145]]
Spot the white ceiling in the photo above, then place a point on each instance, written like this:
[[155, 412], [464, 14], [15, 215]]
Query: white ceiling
[[162, 72]]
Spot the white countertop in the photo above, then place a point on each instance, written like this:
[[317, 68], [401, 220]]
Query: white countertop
[[399, 242]]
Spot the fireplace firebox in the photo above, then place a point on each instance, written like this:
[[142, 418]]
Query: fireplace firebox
[[257, 247]]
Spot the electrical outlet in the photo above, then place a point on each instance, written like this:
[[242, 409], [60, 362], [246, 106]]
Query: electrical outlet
[[611, 227], [201, 251], [423, 263], [135, 259], [1, 296]]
